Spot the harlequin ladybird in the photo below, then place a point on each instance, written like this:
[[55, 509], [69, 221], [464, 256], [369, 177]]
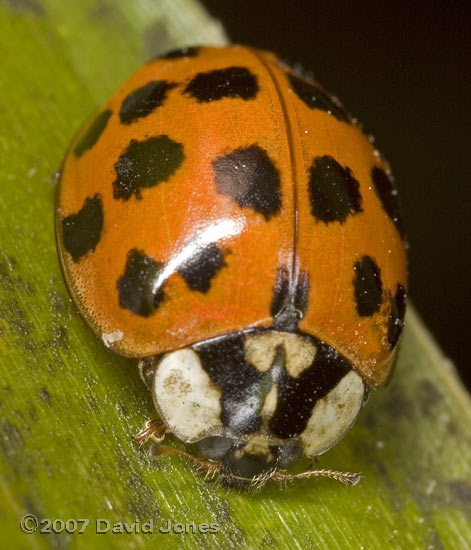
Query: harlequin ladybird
[[225, 220]]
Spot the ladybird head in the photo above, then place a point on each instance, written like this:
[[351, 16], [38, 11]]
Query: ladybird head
[[244, 463]]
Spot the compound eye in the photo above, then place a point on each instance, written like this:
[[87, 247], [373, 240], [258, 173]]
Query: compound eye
[[215, 448], [288, 455]]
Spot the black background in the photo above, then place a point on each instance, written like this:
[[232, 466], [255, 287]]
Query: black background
[[404, 70]]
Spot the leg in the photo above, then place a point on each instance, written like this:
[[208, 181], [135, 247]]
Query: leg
[[211, 468], [154, 429]]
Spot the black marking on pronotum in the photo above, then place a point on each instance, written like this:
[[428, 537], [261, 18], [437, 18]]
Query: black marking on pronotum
[[189, 51], [81, 232], [145, 164], [232, 82], [368, 287], [92, 134], [387, 194], [144, 100], [244, 388], [288, 306], [201, 267], [396, 317], [250, 178], [315, 98], [334, 193], [240, 383], [297, 396], [136, 287]]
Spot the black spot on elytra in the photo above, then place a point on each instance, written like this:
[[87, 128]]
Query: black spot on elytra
[[232, 82], [280, 291], [137, 287], [315, 98], [93, 133], [289, 305], [190, 51], [301, 293], [250, 178], [368, 287], [396, 317], [201, 267], [298, 396], [334, 193], [81, 232], [387, 194], [145, 164], [144, 100]]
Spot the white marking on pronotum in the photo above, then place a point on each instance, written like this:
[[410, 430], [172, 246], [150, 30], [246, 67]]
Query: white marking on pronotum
[[185, 397], [333, 415], [212, 234], [260, 351], [111, 337], [269, 405]]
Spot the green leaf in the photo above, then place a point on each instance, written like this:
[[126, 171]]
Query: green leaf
[[69, 408]]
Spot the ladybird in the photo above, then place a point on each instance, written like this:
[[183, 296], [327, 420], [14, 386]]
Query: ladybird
[[224, 220]]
